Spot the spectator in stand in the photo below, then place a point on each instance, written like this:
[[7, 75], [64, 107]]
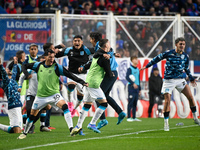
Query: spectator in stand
[[139, 7], [56, 4], [148, 45], [36, 10], [115, 8], [166, 11], [198, 4], [125, 11], [127, 4], [65, 10], [11, 8], [86, 10], [183, 12], [173, 6], [119, 42], [147, 31], [151, 11], [46, 7], [158, 7], [19, 10], [30, 8]]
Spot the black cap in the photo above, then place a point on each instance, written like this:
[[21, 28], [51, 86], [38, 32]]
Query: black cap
[[155, 69]]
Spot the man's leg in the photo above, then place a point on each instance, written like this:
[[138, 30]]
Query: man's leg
[[167, 97], [29, 123], [70, 88], [135, 100], [187, 92], [78, 102], [106, 86], [151, 103], [67, 115], [99, 111], [82, 116]]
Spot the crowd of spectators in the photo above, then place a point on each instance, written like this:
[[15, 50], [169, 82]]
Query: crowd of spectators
[[145, 33], [118, 7]]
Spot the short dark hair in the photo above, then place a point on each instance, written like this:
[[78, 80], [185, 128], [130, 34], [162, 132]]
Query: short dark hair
[[46, 52], [33, 44], [133, 57], [19, 54], [97, 36], [40, 57], [78, 36], [102, 43], [47, 46], [179, 39]]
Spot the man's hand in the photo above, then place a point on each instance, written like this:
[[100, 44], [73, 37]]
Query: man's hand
[[135, 86], [193, 83], [143, 68], [15, 60], [19, 90], [63, 46], [117, 55], [30, 76], [56, 50], [80, 69], [86, 84], [107, 56]]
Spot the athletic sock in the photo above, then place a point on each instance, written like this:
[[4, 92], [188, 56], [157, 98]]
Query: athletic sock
[[194, 112], [24, 116], [29, 123], [166, 117], [99, 111], [68, 118], [83, 114], [5, 128], [78, 102], [42, 119]]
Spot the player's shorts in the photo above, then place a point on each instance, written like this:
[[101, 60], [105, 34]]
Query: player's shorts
[[22, 98], [78, 85], [41, 102], [15, 117], [92, 94], [170, 84]]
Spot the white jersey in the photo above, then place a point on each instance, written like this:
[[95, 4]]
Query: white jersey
[[33, 83]]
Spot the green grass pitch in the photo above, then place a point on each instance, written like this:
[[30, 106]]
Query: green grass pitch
[[145, 135]]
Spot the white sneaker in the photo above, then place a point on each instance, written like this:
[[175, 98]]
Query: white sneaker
[[45, 129], [22, 136], [136, 119], [130, 119], [196, 121], [166, 127]]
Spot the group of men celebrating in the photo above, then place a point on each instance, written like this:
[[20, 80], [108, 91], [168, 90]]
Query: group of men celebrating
[[44, 88], [94, 85]]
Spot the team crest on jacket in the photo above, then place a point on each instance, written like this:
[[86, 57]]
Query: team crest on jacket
[[71, 53], [81, 52], [182, 56]]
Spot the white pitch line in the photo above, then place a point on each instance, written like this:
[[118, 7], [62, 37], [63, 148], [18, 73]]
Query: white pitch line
[[95, 138]]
